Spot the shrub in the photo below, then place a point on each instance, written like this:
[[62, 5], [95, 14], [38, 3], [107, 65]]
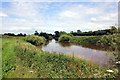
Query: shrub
[[64, 38], [113, 41], [35, 40]]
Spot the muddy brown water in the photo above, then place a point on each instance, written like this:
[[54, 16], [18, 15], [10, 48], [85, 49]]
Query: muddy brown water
[[91, 54]]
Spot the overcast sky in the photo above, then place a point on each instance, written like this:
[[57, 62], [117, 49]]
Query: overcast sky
[[26, 17]]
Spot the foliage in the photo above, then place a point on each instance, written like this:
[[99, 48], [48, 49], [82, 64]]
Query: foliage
[[65, 38], [35, 40], [44, 34], [85, 40], [112, 41], [112, 30], [20, 34]]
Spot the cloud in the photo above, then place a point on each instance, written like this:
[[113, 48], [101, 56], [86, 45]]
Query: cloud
[[68, 14], [93, 19], [46, 16], [2, 14], [23, 9], [60, 0], [109, 18]]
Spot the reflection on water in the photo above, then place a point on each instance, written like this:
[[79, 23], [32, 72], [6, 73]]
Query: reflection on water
[[96, 56], [65, 44]]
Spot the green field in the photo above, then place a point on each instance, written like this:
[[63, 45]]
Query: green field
[[21, 59]]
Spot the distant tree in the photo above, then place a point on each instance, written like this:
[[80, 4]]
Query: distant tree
[[57, 33], [44, 35], [113, 30], [21, 34], [10, 34], [62, 32], [79, 31], [36, 33]]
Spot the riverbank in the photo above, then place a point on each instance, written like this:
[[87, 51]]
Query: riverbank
[[105, 42], [21, 59]]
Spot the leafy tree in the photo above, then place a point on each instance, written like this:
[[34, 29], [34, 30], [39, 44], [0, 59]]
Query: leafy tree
[[78, 31], [113, 30], [21, 34], [36, 33], [10, 34]]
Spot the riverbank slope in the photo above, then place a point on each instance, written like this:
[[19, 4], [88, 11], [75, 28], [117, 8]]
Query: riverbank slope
[[21, 59]]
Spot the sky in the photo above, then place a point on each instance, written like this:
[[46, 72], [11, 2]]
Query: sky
[[49, 16]]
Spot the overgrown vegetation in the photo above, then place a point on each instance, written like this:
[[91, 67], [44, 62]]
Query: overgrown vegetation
[[35, 40], [22, 59], [110, 42], [65, 38]]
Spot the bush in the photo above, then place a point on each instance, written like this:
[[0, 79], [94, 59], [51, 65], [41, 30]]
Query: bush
[[112, 41], [35, 40], [64, 38]]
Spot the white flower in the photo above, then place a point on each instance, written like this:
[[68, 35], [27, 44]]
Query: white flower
[[110, 71], [118, 62], [31, 71]]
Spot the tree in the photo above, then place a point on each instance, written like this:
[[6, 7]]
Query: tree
[[20, 34], [36, 33], [113, 30], [78, 31]]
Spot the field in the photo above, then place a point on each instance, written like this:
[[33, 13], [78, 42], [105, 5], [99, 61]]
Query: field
[[21, 59]]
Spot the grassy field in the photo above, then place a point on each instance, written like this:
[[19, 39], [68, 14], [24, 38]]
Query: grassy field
[[21, 59]]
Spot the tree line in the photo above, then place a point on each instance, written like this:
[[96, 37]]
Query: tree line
[[112, 30], [57, 34]]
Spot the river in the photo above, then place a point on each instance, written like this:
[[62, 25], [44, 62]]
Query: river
[[93, 55]]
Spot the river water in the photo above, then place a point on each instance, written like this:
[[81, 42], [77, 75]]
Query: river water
[[93, 55]]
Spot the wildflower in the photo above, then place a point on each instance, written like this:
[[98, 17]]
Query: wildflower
[[110, 71], [31, 71], [118, 62]]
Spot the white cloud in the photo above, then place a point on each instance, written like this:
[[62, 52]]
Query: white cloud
[[2, 14], [93, 19], [109, 17], [92, 10], [23, 9], [70, 17], [60, 0], [69, 14]]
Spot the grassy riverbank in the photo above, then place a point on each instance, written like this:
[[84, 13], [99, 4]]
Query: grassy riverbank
[[110, 42], [21, 59]]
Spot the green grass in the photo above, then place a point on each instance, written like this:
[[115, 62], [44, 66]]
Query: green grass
[[22, 59], [0, 57], [8, 55]]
